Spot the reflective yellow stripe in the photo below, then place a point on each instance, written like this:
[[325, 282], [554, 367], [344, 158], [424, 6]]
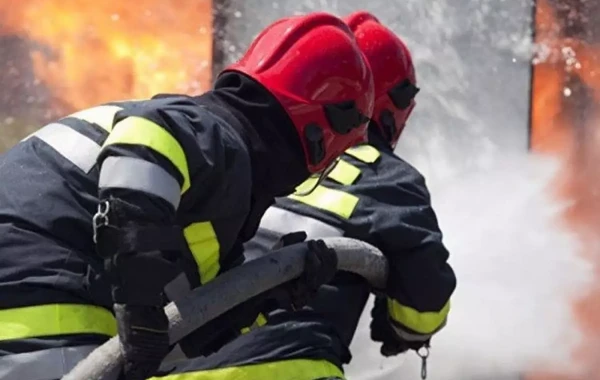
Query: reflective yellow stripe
[[204, 245], [139, 131], [55, 319], [101, 115], [335, 201], [422, 323], [344, 173], [364, 153], [261, 320], [296, 369]]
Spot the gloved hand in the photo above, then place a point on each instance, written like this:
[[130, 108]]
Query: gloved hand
[[382, 331], [290, 239], [144, 334], [319, 268]]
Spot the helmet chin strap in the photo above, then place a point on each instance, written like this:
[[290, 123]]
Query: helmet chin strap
[[321, 176]]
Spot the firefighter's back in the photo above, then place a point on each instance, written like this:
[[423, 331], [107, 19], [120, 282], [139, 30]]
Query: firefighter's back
[[46, 209], [52, 291]]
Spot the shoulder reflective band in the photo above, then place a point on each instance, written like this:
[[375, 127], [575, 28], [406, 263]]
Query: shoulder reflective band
[[55, 319], [422, 323], [337, 202], [297, 369], [102, 116], [80, 150], [50, 364], [365, 153], [261, 320], [344, 173], [136, 174], [204, 246], [138, 131], [283, 221]]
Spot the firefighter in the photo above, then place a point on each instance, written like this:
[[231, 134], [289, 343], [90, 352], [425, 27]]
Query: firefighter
[[110, 212], [371, 195]]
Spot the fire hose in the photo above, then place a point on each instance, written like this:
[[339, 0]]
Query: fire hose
[[230, 289]]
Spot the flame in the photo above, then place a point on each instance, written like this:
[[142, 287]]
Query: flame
[[565, 116], [89, 51]]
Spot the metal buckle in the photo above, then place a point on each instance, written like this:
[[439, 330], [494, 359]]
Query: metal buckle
[[100, 219]]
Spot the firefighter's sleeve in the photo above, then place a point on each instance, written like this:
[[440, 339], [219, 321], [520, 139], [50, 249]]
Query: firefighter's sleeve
[[146, 168], [420, 281]]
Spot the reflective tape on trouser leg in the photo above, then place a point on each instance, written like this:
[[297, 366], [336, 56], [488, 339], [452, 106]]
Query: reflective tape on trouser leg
[[48, 364]]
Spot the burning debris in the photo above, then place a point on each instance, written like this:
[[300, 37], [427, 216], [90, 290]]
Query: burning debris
[[71, 54], [565, 119]]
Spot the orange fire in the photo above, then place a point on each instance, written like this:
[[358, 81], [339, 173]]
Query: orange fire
[[91, 51], [565, 119]]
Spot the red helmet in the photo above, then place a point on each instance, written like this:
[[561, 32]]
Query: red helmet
[[393, 73], [314, 67]]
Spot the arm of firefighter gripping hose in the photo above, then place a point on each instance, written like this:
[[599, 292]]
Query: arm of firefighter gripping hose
[[232, 288]]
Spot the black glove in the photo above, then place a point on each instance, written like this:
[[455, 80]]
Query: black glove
[[144, 335], [290, 239], [319, 268], [382, 331]]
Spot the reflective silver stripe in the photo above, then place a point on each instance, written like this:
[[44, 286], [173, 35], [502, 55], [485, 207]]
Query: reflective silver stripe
[[48, 364], [413, 337], [283, 221], [137, 174], [102, 116], [75, 147], [410, 337]]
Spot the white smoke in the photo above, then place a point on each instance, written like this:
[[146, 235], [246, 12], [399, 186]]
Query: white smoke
[[518, 272], [518, 269]]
